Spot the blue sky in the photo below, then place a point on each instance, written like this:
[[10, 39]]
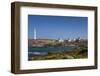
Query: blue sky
[[54, 27]]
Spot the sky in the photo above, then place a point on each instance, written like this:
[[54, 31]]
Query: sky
[[55, 27]]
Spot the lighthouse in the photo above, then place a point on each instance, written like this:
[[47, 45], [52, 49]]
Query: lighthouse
[[34, 34]]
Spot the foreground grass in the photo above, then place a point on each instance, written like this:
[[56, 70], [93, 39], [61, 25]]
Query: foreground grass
[[76, 54]]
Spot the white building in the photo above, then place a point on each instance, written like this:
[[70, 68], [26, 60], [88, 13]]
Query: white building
[[61, 40]]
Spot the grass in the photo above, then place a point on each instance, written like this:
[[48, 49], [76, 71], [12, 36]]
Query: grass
[[76, 54]]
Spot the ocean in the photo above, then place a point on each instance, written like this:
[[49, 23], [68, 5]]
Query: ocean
[[45, 50]]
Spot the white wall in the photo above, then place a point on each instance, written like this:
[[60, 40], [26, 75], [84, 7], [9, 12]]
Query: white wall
[[5, 33]]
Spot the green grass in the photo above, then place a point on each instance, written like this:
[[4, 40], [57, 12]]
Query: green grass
[[76, 54]]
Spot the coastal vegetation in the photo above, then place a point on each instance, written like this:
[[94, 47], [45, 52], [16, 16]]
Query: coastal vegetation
[[80, 50], [62, 55]]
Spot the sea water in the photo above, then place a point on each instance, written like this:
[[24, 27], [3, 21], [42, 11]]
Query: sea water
[[45, 50]]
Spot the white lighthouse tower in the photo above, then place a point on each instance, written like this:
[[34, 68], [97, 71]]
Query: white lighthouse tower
[[34, 34]]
